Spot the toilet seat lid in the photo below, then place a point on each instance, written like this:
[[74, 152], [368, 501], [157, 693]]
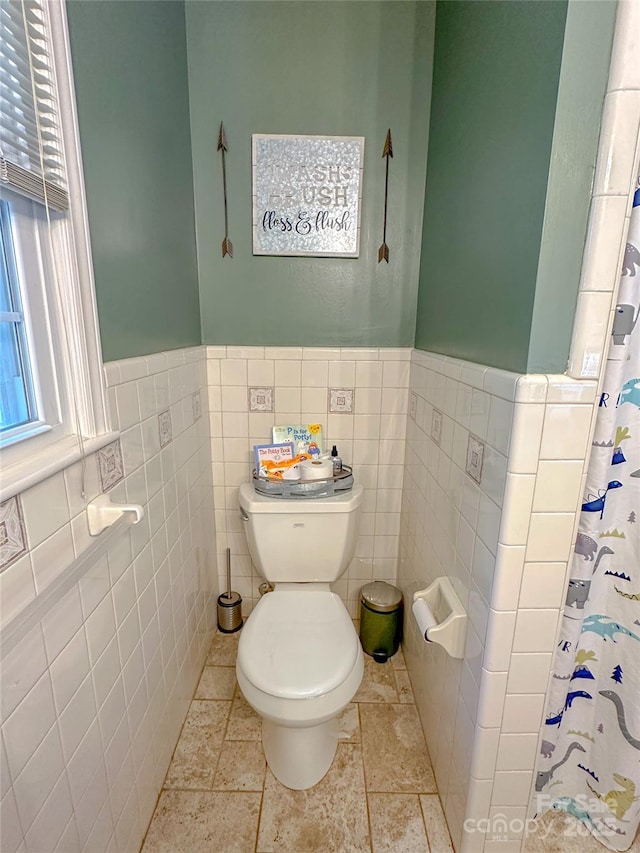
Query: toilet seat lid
[[298, 644]]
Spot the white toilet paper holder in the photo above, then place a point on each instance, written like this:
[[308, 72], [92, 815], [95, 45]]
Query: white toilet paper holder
[[444, 620], [102, 513]]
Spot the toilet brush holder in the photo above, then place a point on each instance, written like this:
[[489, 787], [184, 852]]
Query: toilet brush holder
[[229, 605]]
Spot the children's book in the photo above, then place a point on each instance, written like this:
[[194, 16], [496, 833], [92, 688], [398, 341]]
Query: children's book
[[307, 438], [271, 453]]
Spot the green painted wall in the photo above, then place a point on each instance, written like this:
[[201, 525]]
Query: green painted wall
[[583, 78], [130, 72], [340, 68], [495, 84], [494, 270]]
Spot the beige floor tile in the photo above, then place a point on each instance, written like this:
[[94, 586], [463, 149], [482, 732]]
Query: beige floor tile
[[558, 832], [331, 817], [216, 682], [224, 648], [436, 824], [394, 750], [241, 767], [396, 824], [378, 683], [403, 686], [244, 723], [398, 660], [349, 724], [199, 821], [196, 755], [382, 733]]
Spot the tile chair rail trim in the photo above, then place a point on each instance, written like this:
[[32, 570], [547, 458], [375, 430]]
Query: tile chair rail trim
[[19, 626]]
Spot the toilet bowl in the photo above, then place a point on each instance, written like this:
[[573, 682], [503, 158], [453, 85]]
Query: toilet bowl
[[299, 658], [299, 665]]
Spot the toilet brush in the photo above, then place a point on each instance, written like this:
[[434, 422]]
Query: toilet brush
[[229, 605]]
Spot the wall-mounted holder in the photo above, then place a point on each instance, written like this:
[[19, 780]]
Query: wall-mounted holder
[[441, 617], [101, 513]]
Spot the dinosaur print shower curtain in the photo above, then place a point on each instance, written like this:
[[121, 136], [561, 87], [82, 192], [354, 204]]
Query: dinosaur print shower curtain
[[590, 756]]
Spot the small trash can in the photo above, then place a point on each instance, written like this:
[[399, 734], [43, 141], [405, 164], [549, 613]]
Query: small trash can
[[380, 620]]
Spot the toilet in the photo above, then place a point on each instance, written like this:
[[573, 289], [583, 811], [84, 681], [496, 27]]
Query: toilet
[[299, 658]]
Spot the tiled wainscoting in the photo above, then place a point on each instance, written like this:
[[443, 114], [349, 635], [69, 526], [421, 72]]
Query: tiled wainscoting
[[504, 542], [358, 395], [93, 697]]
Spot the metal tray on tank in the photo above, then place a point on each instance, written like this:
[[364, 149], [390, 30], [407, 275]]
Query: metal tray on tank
[[304, 489]]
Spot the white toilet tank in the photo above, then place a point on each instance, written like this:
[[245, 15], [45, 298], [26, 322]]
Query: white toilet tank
[[297, 541]]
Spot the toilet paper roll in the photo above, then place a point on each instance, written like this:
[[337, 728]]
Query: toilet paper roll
[[423, 616], [316, 469]]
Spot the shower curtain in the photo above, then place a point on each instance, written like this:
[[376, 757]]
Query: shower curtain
[[590, 755]]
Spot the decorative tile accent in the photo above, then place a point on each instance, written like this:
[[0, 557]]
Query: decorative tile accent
[[197, 406], [341, 400], [436, 426], [164, 427], [260, 399], [413, 405], [475, 456], [13, 541], [110, 465]]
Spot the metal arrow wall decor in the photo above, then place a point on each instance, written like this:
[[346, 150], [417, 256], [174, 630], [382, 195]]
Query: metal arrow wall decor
[[383, 251], [227, 245]]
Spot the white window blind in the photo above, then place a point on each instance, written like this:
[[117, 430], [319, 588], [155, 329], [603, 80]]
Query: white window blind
[[31, 160]]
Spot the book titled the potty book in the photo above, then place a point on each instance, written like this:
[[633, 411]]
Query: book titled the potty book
[[307, 438], [271, 453]]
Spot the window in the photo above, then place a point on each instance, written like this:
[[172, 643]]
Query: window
[[52, 403], [18, 408], [33, 397]]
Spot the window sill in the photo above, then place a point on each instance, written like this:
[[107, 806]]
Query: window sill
[[21, 476]]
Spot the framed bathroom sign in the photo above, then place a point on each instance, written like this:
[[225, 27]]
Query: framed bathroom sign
[[307, 195]]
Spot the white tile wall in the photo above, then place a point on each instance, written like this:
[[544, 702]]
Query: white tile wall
[[504, 543], [535, 538], [94, 696], [450, 526], [100, 672], [614, 182], [371, 439]]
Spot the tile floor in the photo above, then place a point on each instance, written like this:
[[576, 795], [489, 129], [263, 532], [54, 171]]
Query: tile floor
[[378, 797], [557, 832]]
